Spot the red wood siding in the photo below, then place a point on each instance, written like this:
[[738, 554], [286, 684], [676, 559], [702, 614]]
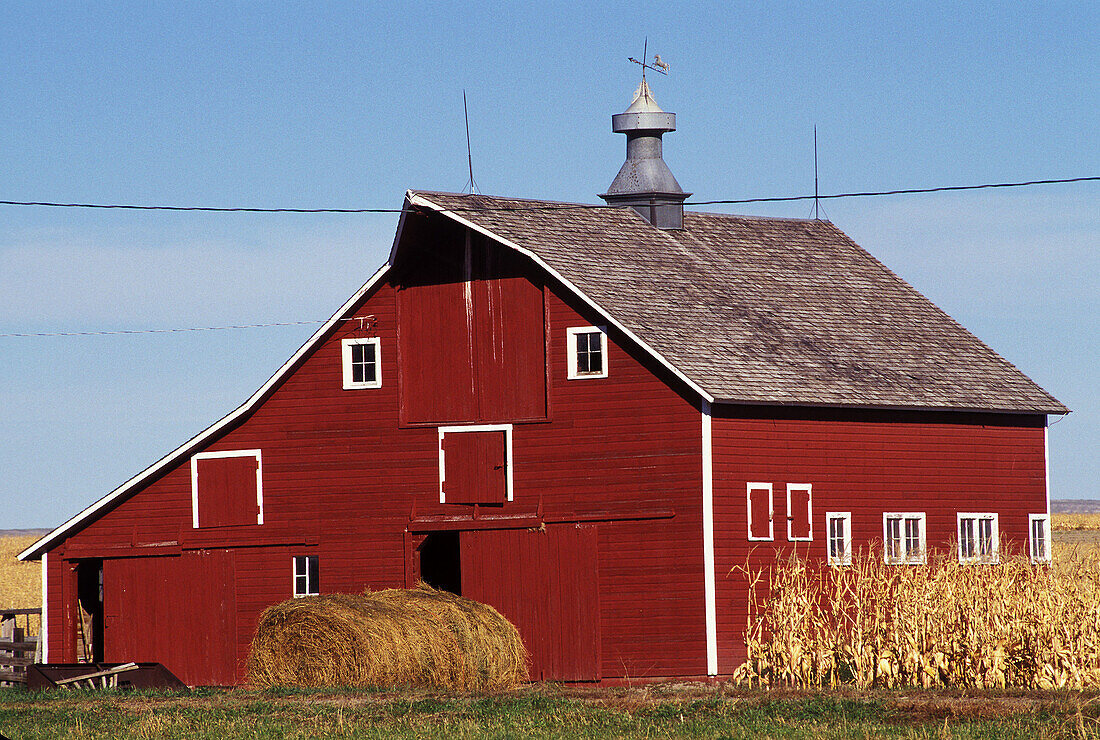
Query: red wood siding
[[226, 489], [545, 583], [865, 463], [475, 467], [622, 454]]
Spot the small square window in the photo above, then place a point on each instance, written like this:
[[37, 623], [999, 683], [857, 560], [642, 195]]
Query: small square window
[[838, 533], [903, 538], [362, 359], [306, 576], [978, 538], [587, 350], [1039, 537]]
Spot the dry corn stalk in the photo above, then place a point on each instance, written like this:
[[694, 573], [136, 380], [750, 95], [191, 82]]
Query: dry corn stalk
[[943, 624]]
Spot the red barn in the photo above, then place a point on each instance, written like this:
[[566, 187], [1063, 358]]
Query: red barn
[[582, 416]]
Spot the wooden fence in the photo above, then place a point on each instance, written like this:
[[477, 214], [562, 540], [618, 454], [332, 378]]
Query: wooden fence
[[18, 649]]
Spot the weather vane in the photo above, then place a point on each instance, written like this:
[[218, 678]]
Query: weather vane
[[658, 64]]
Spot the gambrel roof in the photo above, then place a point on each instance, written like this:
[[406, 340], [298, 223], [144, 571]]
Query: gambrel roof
[[759, 310]]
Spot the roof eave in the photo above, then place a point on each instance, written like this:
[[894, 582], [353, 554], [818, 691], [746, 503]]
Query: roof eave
[[1058, 410]]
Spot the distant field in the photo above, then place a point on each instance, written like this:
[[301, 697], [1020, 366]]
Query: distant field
[[20, 583], [1071, 522]]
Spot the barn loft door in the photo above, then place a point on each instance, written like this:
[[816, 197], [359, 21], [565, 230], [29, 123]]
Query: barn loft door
[[546, 584], [471, 336], [475, 467], [179, 611], [226, 490]]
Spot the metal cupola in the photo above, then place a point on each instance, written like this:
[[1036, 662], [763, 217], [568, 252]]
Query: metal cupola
[[645, 183]]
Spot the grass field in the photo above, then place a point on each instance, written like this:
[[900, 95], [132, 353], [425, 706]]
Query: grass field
[[679, 711]]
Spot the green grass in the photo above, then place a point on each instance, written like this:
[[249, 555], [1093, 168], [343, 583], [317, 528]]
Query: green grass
[[538, 712]]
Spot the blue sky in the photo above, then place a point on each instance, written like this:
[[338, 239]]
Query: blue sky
[[348, 105]]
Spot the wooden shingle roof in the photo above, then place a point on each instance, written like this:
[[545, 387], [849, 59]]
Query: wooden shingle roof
[[760, 310]]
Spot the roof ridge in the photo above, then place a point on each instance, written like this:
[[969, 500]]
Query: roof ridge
[[505, 197]]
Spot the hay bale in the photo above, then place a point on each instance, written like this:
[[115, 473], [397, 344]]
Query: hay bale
[[398, 637]]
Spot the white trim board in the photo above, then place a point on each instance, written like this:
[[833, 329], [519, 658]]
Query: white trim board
[[709, 590], [192, 444], [418, 199], [44, 632]]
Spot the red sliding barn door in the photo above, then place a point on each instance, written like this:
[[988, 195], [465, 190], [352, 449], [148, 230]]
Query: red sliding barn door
[[179, 611], [475, 467], [546, 584]]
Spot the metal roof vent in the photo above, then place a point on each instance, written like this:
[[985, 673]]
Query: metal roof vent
[[645, 183]]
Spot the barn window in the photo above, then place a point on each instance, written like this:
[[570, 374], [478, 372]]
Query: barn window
[[760, 511], [799, 519], [362, 363], [903, 538], [227, 489], [1039, 537], [587, 349], [307, 574], [978, 538], [838, 533]]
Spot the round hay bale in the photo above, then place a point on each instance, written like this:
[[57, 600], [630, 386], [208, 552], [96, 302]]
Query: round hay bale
[[398, 637]]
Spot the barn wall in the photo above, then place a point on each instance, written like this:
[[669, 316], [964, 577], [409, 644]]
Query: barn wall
[[343, 477], [867, 463]]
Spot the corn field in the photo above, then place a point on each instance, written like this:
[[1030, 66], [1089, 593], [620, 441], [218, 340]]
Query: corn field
[[944, 624]]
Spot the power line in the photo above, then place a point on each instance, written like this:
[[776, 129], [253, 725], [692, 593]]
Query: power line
[[908, 191], [549, 206], [156, 331]]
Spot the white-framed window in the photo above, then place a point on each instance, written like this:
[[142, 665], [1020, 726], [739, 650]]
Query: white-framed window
[[903, 537], [800, 527], [587, 351], [760, 511], [1038, 527], [362, 362], [838, 537], [307, 581], [979, 538]]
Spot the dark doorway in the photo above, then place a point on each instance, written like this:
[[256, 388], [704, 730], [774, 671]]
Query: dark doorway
[[440, 564], [89, 595]]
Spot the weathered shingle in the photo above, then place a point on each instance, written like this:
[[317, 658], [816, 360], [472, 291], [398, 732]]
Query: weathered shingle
[[763, 310]]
